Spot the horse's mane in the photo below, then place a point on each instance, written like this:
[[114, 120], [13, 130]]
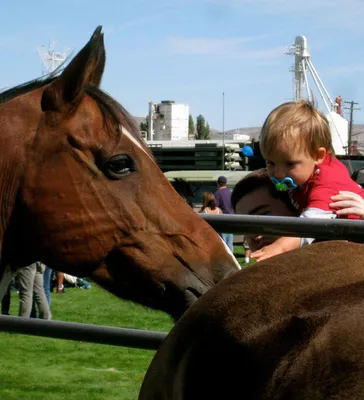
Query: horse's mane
[[9, 94], [110, 108]]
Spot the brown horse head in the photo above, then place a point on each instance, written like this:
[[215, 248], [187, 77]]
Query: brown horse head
[[80, 191]]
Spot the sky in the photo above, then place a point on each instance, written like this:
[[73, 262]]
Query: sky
[[193, 51]]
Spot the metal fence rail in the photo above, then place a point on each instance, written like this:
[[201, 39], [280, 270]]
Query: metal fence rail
[[319, 228], [140, 339]]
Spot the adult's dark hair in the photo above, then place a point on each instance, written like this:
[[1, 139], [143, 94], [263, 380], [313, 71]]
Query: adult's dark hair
[[254, 181]]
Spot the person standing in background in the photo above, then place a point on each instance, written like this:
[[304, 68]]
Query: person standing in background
[[209, 204], [30, 281], [5, 303], [47, 283], [223, 201]]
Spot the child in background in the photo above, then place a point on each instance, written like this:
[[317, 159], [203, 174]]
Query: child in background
[[296, 144], [247, 251]]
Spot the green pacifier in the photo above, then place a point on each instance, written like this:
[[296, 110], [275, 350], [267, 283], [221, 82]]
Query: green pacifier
[[283, 185]]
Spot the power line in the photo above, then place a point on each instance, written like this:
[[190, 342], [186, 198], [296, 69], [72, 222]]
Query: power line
[[223, 133]]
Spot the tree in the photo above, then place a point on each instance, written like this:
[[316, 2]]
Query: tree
[[203, 128], [191, 127], [144, 125], [207, 131]]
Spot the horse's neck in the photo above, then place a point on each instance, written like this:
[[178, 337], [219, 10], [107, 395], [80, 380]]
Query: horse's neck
[[9, 185], [14, 134]]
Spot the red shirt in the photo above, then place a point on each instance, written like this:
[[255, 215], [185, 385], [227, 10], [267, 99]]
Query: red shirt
[[327, 180]]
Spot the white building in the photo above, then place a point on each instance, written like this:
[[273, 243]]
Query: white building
[[168, 121]]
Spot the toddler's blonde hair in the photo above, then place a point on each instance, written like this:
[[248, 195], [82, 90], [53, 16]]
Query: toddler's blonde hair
[[295, 125]]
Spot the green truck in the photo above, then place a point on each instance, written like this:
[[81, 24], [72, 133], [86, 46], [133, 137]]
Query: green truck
[[205, 181]]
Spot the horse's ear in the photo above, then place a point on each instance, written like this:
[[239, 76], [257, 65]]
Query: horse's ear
[[67, 90], [100, 66]]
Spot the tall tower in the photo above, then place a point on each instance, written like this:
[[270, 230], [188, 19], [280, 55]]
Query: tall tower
[[51, 59], [302, 69]]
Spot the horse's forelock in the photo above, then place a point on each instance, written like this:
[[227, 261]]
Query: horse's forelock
[[119, 116]]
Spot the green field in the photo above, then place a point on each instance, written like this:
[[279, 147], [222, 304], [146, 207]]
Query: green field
[[48, 369]]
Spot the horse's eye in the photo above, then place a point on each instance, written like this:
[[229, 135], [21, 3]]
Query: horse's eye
[[118, 166]]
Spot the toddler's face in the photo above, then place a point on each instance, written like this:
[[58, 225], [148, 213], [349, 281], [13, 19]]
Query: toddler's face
[[296, 164]]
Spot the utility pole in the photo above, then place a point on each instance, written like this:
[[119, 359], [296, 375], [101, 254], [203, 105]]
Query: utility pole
[[352, 109], [151, 113], [223, 133]]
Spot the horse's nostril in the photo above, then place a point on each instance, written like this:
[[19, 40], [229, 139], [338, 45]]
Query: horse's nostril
[[191, 296], [197, 293]]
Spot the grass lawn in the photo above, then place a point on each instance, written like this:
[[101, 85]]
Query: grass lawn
[[49, 369], [42, 368]]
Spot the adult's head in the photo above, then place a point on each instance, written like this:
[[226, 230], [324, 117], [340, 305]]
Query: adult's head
[[255, 194], [208, 200], [221, 181]]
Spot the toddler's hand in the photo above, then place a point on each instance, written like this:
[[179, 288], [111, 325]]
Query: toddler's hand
[[267, 252]]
